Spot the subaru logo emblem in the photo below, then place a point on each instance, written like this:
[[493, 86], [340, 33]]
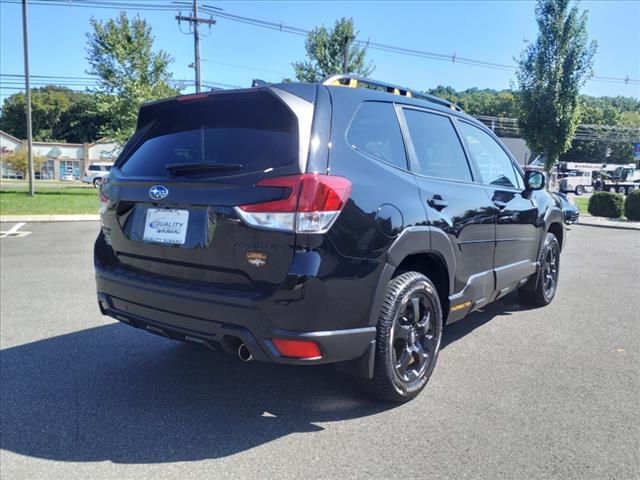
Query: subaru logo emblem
[[158, 192]]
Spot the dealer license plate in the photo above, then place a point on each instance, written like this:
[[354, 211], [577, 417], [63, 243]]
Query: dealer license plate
[[166, 226]]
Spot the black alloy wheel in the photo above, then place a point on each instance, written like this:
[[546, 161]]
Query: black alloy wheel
[[407, 340], [541, 288], [550, 270], [413, 338]]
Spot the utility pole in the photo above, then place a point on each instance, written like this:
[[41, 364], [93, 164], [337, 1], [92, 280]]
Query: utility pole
[[345, 54], [196, 38], [27, 86]]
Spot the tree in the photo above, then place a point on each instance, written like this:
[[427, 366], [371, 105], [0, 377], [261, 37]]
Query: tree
[[550, 73], [120, 52], [58, 114], [326, 51], [17, 161]]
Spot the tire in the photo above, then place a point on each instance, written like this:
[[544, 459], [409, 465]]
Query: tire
[[612, 189], [540, 290], [622, 190], [407, 344], [96, 182], [579, 190], [630, 189]]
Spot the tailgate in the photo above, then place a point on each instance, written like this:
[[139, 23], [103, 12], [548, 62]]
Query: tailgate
[[171, 196]]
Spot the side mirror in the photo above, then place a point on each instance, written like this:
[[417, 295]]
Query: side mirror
[[533, 180]]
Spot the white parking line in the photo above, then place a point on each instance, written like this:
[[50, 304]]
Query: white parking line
[[15, 228], [13, 231]]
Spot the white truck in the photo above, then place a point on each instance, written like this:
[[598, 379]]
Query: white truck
[[576, 181], [622, 179]]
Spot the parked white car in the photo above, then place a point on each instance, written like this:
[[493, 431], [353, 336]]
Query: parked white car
[[95, 172]]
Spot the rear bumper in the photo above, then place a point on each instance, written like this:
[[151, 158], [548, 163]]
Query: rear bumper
[[211, 316]]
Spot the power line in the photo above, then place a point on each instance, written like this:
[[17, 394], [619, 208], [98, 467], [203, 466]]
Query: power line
[[8, 80], [584, 132], [282, 27], [245, 67]]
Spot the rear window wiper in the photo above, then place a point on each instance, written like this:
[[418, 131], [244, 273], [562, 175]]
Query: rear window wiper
[[177, 168]]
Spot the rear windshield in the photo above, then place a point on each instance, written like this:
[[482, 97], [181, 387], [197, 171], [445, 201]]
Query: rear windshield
[[254, 130]]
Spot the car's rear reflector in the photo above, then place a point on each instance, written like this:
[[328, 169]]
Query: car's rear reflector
[[311, 203], [297, 348]]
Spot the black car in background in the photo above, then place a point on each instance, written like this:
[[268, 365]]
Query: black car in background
[[569, 209], [320, 223]]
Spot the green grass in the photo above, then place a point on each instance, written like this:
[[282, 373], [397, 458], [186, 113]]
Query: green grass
[[581, 203], [12, 182], [48, 201]]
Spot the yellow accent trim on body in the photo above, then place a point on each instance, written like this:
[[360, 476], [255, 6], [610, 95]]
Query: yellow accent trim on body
[[460, 306]]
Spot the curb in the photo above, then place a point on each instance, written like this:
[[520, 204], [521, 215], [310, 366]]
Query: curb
[[48, 218], [604, 225]]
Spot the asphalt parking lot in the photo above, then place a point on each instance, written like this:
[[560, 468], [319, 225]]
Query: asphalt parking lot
[[517, 393]]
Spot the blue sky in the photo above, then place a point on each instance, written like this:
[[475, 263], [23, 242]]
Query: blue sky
[[487, 30]]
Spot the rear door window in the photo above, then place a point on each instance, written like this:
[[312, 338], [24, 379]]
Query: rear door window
[[252, 130], [376, 132], [437, 147]]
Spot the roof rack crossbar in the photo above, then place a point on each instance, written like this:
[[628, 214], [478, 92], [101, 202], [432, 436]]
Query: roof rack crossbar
[[354, 81]]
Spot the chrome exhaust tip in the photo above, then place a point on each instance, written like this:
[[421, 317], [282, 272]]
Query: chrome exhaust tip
[[244, 353]]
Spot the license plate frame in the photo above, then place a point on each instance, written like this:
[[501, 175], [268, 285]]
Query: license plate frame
[[166, 226]]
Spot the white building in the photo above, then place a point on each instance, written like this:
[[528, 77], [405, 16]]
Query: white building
[[62, 158]]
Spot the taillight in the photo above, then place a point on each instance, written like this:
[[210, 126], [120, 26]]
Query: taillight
[[312, 204], [104, 198]]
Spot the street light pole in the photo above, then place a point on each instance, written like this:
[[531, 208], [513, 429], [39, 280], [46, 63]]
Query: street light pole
[[27, 86]]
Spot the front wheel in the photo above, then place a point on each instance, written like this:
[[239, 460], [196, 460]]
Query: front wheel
[[408, 339], [579, 190], [541, 289], [96, 182]]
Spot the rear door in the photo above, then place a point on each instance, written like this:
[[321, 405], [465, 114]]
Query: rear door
[[173, 190], [455, 204], [517, 235]]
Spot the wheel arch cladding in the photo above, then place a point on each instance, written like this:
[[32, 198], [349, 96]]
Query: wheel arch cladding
[[433, 267], [556, 228], [424, 240]]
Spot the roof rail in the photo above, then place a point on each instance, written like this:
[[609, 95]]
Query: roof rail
[[354, 81]]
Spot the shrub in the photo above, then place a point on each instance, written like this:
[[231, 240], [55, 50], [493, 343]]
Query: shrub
[[606, 204], [632, 206]]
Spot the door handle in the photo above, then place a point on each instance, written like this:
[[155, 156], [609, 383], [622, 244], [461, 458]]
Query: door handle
[[437, 202], [500, 204]]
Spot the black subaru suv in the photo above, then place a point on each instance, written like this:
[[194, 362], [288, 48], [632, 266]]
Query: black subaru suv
[[342, 222]]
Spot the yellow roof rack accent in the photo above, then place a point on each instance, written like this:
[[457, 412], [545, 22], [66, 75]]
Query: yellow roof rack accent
[[354, 81]]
